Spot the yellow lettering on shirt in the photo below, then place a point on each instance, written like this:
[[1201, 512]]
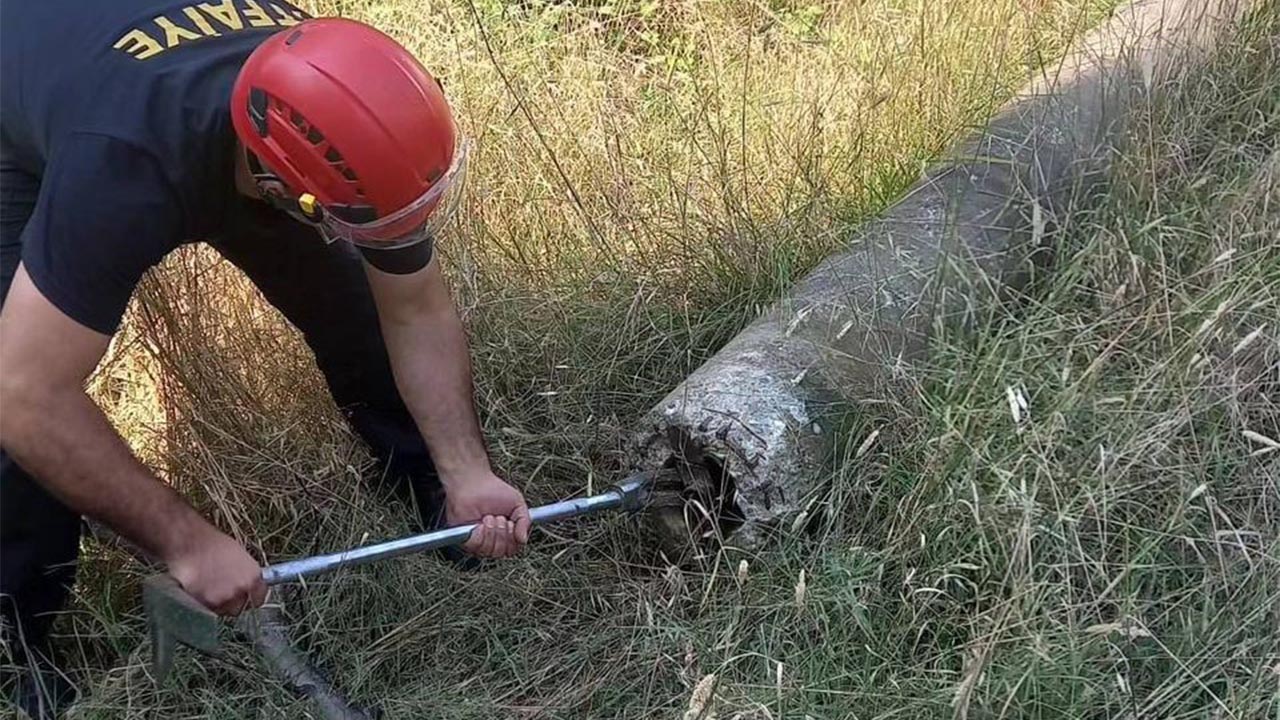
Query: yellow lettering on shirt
[[138, 44], [201, 22], [224, 12], [206, 20], [173, 33], [256, 15], [283, 17]]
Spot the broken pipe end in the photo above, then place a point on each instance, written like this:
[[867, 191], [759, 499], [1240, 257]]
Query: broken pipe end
[[738, 452]]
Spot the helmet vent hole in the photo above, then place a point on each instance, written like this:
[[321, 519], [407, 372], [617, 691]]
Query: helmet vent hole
[[290, 116]]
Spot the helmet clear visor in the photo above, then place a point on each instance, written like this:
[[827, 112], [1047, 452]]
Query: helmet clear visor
[[413, 223]]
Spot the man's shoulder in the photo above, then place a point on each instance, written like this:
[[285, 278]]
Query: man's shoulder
[[106, 213]]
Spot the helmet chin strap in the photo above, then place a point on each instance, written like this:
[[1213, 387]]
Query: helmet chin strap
[[273, 190]]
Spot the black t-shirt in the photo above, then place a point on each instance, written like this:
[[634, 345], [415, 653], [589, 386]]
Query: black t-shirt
[[122, 109]]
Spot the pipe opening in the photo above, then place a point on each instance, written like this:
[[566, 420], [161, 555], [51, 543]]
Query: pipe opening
[[719, 495], [694, 505]]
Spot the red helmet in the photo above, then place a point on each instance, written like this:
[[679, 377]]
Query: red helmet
[[346, 130]]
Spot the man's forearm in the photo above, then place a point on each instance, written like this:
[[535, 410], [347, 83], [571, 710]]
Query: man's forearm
[[433, 373], [62, 438], [432, 367]]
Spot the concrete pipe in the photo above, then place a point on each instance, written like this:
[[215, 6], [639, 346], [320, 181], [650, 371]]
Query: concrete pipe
[[745, 435]]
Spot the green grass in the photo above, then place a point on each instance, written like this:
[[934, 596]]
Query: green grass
[[1113, 553]]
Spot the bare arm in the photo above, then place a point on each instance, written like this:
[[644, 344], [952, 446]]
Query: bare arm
[[57, 433], [432, 367]]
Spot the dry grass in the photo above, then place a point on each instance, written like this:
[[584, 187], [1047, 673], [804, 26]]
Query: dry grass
[[647, 174]]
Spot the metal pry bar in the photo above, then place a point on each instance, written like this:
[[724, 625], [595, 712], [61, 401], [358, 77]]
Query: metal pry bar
[[627, 495], [175, 617]]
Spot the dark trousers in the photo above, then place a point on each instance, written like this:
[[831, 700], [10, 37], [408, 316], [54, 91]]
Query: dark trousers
[[321, 289]]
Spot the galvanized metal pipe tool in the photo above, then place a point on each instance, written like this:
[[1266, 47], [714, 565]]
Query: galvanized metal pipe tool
[[174, 617]]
